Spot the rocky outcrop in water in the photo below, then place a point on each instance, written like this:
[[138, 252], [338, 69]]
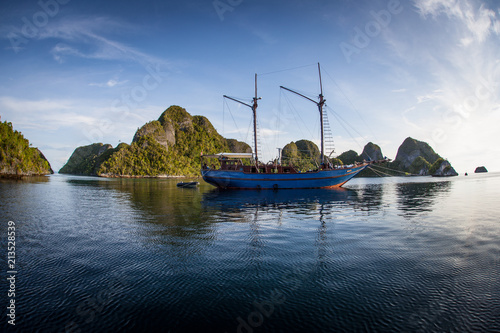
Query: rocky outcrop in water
[[416, 158], [480, 169]]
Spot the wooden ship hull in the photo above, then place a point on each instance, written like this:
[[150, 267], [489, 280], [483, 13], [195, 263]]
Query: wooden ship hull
[[239, 179]]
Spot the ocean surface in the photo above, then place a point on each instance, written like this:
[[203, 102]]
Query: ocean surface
[[401, 254]]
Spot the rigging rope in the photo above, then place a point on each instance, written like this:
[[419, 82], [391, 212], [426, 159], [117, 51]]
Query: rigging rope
[[378, 172], [402, 172], [248, 131], [288, 69], [295, 113], [388, 175], [278, 124], [237, 128], [352, 105], [341, 122]]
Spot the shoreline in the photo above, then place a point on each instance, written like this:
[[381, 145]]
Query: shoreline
[[131, 176], [21, 176], [146, 176]]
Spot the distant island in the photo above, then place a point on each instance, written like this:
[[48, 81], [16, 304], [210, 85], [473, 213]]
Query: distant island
[[172, 146], [480, 169], [17, 157], [418, 158], [413, 158]]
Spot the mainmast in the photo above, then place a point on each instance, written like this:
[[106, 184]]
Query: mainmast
[[320, 108], [254, 111]]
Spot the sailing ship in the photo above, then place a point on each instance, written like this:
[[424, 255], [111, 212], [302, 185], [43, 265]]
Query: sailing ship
[[233, 173]]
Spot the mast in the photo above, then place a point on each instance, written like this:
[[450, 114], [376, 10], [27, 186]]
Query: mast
[[254, 111], [320, 108]]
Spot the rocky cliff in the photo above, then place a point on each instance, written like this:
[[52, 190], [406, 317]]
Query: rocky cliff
[[418, 158], [412, 152], [442, 168], [87, 160], [17, 158], [372, 152]]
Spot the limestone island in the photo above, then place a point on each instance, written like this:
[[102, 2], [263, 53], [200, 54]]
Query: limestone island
[[168, 147], [17, 158]]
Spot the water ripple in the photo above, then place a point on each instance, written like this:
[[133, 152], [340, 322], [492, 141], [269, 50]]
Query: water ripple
[[129, 255]]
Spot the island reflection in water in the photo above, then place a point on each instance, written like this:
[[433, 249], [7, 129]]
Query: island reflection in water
[[142, 254]]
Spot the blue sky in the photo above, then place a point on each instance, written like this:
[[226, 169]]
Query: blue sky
[[76, 72]]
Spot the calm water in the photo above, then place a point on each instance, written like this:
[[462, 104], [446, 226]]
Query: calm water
[[394, 254]]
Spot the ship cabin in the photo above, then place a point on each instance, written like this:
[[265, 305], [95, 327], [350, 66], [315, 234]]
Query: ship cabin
[[234, 162]]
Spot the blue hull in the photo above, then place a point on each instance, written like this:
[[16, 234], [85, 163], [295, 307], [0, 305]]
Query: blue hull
[[228, 179]]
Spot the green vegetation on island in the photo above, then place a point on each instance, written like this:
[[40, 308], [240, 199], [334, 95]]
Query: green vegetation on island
[[303, 154], [17, 158], [88, 159], [418, 158], [169, 146]]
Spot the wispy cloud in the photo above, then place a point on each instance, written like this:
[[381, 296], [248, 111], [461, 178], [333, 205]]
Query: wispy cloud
[[109, 84], [452, 58], [47, 114], [479, 21], [269, 132], [85, 37], [22, 105]]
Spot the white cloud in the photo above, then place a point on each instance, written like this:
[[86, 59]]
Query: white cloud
[[85, 38]]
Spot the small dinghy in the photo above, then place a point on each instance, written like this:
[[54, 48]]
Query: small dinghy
[[188, 184]]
